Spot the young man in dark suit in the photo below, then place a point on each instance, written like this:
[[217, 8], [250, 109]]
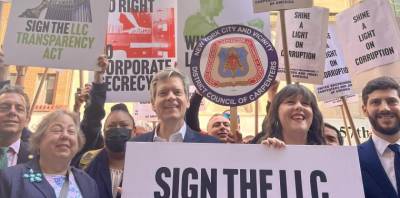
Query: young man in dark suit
[[379, 156], [169, 91]]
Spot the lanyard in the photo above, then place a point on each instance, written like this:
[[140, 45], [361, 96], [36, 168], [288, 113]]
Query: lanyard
[[65, 188]]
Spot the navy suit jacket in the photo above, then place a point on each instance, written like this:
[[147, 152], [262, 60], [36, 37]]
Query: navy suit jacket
[[13, 185], [99, 170], [376, 182], [190, 136], [24, 155]]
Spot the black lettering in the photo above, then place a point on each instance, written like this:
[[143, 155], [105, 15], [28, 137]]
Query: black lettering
[[124, 83], [283, 183], [119, 67], [107, 80], [187, 59], [145, 67], [207, 184], [115, 86], [164, 185], [264, 185], [191, 41], [136, 67], [149, 79], [133, 83], [122, 6], [127, 65], [314, 185], [248, 185], [185, 183], [175, 182], [140, 87], [109, 51], [29, 26], [231, 181], [112, 6], [299, 185]]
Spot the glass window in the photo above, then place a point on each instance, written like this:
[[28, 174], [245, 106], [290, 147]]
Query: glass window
[[47, 93]]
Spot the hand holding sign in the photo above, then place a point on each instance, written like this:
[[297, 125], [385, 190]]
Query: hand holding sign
[[3, 67], [102, 62], [274, 143]]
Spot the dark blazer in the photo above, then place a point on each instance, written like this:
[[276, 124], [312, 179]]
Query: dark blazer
[[376, 182], [26, 134], [99, 170], [13, 185], [24, 155], [192, 113], [91, 122], [190, 136]]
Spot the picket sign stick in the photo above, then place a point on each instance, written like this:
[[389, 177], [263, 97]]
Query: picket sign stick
[[285, 47], [345, 125], [256, 118], [2, 5], [233, 118], [353, 128], [1, 11], [44, 76], [80, 78]]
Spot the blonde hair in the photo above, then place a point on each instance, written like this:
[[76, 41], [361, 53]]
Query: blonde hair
[[164, 75], [36, 138]]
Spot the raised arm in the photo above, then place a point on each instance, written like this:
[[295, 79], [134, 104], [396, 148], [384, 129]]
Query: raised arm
[[192, 113], [94, 112]]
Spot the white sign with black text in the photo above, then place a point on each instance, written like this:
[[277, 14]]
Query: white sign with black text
[[369, 35], [273, 5], [213, 170], [337, 80], [306, 39], [67, 35]]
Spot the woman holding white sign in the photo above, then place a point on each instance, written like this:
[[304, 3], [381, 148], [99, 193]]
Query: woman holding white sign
[[293, 118]]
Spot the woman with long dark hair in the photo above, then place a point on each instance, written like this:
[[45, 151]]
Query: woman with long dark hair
[[294, 118]]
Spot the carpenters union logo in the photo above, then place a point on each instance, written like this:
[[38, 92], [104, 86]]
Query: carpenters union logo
[[233, 65]]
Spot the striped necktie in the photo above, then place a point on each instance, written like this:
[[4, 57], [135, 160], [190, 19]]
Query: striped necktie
[[3, 157]]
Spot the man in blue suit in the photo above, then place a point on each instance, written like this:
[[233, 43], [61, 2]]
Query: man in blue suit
[[14, 110], [379, 156], [169, 91]]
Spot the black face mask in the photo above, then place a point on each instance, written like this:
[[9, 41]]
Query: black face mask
[[116, 139]]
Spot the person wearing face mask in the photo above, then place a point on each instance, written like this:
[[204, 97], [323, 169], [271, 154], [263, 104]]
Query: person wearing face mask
[[106, 165], [293, 118]]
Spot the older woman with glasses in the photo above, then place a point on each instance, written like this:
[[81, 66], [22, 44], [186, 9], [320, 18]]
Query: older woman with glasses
[[55, 142]]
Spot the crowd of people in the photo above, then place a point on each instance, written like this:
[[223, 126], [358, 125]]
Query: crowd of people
[[69, 157]]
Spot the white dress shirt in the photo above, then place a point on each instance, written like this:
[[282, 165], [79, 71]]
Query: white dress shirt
[[175, 137], [386, 156]]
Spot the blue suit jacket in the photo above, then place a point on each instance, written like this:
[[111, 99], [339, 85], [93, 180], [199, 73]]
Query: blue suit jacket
[[376, 182], [190, 136], [13, 185], [99, 170], [24, 155]]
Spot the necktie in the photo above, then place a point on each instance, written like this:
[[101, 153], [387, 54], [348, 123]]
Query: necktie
[[3, 157], [396, 149]]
